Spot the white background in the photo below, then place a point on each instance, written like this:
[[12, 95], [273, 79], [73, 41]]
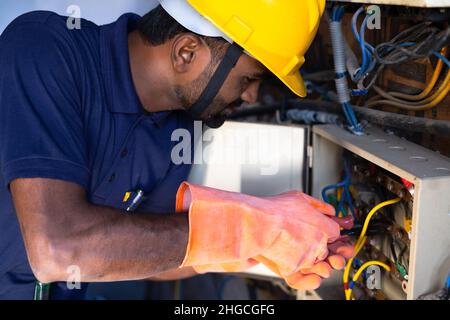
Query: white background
[[98, 11]]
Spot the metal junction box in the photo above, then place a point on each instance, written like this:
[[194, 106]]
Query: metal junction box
[[429, 259], [266, 159]]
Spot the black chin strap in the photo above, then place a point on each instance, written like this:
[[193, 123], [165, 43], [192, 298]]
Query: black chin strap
[[206, 98]]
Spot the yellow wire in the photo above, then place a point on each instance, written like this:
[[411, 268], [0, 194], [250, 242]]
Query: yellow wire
[[416, 104], [373, 211], [358, 246], [339, 193], [369, 263], [362, 268], [430, 85], [440, 94], [362, 239], [441, 88]]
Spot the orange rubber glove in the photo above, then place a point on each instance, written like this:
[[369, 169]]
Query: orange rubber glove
[[290, 233], [309, 278]]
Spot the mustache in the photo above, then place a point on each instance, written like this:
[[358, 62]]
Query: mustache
[[235, 104]]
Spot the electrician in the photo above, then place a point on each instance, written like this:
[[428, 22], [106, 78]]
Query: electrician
[[86, 117]]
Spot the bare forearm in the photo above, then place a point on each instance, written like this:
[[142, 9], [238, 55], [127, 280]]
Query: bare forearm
[[61, 229], [112, 245]]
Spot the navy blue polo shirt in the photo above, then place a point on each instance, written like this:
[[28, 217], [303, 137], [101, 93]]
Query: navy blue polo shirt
[[69, 111]]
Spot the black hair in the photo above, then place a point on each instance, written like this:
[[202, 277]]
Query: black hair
[[157, 27]]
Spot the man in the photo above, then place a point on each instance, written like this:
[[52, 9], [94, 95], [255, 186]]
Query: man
[[86, 118]]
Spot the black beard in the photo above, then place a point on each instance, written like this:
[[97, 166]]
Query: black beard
[[216, 121]]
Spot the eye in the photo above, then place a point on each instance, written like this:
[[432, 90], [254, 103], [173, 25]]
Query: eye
[[247, 80]]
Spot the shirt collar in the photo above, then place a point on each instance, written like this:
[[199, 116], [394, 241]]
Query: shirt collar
[[120, 91]]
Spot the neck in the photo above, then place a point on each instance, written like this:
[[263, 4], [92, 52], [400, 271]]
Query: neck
[[149, 74]]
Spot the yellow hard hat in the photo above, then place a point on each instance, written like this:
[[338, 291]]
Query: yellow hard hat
[[275, 32]]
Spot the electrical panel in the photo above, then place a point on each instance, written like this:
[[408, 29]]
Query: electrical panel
[[409, 3], [411, 236]]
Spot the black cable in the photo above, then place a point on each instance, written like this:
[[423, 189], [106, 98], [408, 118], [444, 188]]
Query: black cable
[[381, 118], [417, 42], [393, 51]]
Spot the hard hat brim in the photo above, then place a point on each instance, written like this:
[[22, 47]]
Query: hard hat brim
[[295, 83]]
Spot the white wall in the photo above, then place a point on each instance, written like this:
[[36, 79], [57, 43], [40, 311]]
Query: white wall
[[99, 11]]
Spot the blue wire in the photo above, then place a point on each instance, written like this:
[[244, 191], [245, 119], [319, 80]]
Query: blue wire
[[440, 56], [366, 49], [437, 54], [347, 114], [333, 15], [346, 196], [338, 13], [354, 22], [340, 207], [350, 114], [341, 13], [365, 56], [357, 263], [331, 187], [350, 204], [347, 190]]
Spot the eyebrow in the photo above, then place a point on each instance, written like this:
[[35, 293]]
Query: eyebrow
[[259, 75]]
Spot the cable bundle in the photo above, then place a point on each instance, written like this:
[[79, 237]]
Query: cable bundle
[[417, 42], [421, 101], [348, 286], [339, 55]]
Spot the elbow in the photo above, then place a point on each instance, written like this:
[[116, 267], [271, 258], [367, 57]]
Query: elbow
[[43, 273], [49, 261]]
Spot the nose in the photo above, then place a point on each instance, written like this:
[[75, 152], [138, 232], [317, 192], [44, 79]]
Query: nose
[[250, 94]]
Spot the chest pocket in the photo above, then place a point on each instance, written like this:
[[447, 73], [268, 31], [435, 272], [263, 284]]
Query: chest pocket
[[142, 162]]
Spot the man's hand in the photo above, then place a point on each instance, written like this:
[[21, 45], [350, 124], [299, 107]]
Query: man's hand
[[293, 234], [311, 278], [61, 228]]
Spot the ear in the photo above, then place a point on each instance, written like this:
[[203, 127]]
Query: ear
[[186, 49]]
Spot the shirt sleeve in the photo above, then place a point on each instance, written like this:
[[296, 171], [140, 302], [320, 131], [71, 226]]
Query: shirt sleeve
[[41, 121]]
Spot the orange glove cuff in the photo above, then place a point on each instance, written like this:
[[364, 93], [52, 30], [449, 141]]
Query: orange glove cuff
[[222, 229]]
